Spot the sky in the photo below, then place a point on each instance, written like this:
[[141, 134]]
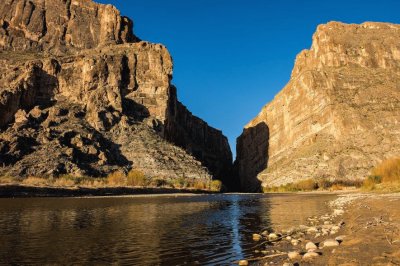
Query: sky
[[231, 57]]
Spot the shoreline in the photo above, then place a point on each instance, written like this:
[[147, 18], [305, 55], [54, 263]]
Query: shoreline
[[361, 229], [23, 191]]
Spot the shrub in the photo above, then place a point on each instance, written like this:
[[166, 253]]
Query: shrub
[[388, 171], [116, 178], [158, 182], [306, 185], [215, 185], [136, 177], [371, 182], [200, 184]]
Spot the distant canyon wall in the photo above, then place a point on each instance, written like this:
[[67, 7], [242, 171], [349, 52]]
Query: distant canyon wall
[[337, 117], [77, 67]]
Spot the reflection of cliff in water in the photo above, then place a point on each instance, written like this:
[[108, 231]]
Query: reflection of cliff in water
[[208, 230]]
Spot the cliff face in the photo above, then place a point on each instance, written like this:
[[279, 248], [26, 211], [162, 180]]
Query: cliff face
[[338, 115], [80, 94]]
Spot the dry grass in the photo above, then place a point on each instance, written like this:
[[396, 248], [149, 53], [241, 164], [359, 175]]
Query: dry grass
[[385, 176], [315, 184], [35, 181], [215, 185], [7, 180], [136, 177], [116, 178]]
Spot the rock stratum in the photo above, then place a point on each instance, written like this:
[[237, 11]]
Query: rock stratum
[[80, 94], [337, 117]]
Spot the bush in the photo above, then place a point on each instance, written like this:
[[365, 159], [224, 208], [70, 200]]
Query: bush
[[200, 184], [215, 185], [371, 182], [136, 177], [116, 178], [306, 185], [388, 171]]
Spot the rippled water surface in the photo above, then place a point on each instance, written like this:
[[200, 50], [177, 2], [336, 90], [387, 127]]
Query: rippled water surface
[[162, 230]]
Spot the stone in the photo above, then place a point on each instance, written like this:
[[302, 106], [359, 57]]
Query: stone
[[287, 264], [243, 263], [310, 255], [77, 67], [273, 236], [330, 243], [294, 255], [345, 86], [294, 242], [311, 245], [257, 237]]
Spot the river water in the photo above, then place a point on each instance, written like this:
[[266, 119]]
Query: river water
[[160, 230]]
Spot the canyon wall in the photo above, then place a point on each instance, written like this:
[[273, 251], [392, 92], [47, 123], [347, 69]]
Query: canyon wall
[[337, 117], [81, 95]]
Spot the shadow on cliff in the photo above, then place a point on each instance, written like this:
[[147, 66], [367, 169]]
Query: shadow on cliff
[[137, 111], [252, 156]]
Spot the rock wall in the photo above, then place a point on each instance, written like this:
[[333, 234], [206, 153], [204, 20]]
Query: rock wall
[[339, 114], [61, 26], [107, 103]]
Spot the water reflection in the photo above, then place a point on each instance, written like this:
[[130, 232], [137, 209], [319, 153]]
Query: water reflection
[[206, 230]]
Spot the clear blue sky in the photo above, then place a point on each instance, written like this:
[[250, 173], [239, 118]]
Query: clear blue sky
[[232, 56]]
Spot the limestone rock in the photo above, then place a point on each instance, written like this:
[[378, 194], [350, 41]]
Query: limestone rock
[[336, 118], [80, 94]]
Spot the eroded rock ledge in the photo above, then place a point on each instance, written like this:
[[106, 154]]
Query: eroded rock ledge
[[338, 115], [81, 95]]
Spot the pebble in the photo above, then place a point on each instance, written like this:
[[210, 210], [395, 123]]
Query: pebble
[[312, 230], [272, 236], [340, 238], [337, 212], [289, 238], [265, 233], [330, 243], [295, 242], [327, 222], [293, 255], [243, 263], [288, 264], [335, 228], [257, 237], [317, 235], [311, 245], [310, 255]]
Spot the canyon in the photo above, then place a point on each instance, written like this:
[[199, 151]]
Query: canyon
[[81, 95], [338, 116]]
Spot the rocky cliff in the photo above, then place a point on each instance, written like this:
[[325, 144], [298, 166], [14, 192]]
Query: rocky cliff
[[81, 95], [336, 118]]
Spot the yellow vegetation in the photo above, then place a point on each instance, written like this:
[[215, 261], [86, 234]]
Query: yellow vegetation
[[215, 185], [116, 178], [385, 176], [136, 177]]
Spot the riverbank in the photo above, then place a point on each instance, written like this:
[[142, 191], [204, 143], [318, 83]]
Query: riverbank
[[23, 191], [362, 229]]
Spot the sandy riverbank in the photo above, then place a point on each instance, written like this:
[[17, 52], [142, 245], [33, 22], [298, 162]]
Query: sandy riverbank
[[362, 229]]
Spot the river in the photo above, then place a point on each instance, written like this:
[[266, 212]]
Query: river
[[146, 230]]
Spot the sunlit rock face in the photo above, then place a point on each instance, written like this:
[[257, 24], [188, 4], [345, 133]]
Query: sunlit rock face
[[338, 115], [81, 94]]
